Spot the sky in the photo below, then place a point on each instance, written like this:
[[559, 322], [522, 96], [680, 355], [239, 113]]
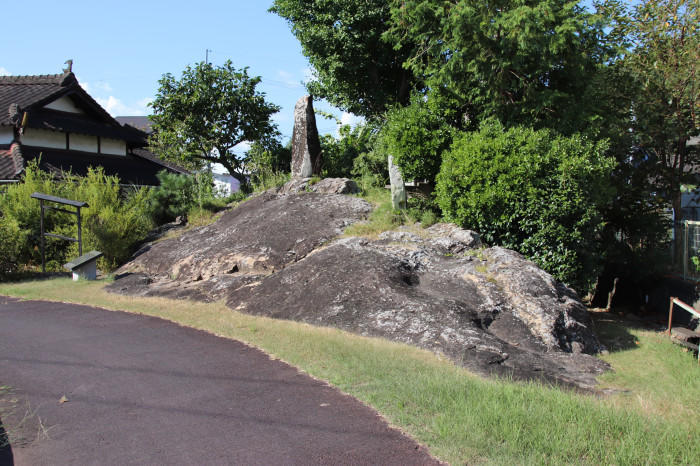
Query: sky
[[121, 49]]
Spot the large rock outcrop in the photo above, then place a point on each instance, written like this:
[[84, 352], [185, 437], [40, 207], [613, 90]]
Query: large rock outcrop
[[488, 309]]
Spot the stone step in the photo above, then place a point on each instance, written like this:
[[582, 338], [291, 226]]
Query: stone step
[[682, 336]]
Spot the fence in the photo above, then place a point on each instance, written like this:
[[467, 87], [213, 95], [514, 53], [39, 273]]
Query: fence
[[687, 263]]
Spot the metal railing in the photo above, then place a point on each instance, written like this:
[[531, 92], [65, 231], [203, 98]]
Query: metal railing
[[686, 308]]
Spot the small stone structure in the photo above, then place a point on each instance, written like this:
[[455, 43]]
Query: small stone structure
[[85, 266], [306, 145], [398, 188]]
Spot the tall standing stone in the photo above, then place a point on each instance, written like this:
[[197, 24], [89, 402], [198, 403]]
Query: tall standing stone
[[306, 145], [398, 188]]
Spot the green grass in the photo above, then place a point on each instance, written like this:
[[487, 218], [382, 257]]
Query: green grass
[[383, 217], [462, 418], [660, 378], [267, 180]]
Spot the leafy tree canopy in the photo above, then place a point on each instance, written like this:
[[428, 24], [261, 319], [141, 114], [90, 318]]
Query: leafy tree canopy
[[665, 60], [354, 68], [204, 115], [522, 61]]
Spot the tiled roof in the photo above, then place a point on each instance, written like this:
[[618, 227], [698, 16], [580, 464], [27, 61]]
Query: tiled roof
[[144, 154], [32, 93], [143, 123], [7, 165], [28, 90], [11, 163]]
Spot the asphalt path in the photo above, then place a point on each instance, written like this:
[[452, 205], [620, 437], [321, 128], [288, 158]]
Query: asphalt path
[[91, 386]]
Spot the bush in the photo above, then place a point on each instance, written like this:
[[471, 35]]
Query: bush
[[339, 154], [267, 161], [114, 222], [371, 169], [533, 191], [265, 180], [416, 136], [177, 194], [423, 209]]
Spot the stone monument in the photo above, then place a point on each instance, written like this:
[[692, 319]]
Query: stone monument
[[398, 189], [306, 145]]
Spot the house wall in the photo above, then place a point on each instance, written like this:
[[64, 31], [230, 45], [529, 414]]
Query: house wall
[[112, 146], [83, 143], [44, 138], [226, 184], [6, 135], [64, 104]]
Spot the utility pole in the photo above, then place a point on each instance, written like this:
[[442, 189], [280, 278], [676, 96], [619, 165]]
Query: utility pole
[[206, 60]]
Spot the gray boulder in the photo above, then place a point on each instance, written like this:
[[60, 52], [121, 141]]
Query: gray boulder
[[324, 186]]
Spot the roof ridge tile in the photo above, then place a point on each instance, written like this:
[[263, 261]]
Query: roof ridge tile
[[33, 79]]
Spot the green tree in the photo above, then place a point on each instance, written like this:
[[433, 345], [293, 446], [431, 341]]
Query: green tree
[[665, 60], [533, 191], [522, 61], [354, 68], [204, 115]]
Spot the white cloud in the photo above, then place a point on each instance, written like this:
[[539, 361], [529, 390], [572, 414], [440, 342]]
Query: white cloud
[[113, 105], [103, 86], [350, 119], [116, 107], [4, 72]]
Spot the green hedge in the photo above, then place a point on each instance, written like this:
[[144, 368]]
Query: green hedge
[[533, 191]]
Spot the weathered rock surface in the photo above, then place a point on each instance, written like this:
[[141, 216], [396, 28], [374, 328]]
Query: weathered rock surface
[[258, 237], [399, 199], [306, 145], [488, 309], [324, 186]]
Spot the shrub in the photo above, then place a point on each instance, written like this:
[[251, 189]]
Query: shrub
[[339, 154], [10, 233], [114, 221], [416, 136], [265, 180], [177, 194], [267, 161], [533, 191], [371, 169]]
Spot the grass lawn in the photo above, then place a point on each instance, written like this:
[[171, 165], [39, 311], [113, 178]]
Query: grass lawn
[[651, 418]]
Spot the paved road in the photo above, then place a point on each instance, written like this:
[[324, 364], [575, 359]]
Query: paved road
[[142, 390]]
